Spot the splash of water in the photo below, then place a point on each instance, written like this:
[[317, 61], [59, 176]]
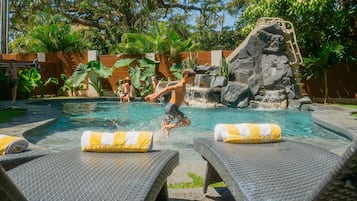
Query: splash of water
[[114, 122], [159, 136]]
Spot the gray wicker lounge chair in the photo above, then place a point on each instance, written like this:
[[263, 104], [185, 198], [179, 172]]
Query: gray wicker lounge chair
[[286, 170], [77, 175], [10, 161]]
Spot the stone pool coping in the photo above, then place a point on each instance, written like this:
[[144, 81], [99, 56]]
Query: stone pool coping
[[336, 119]]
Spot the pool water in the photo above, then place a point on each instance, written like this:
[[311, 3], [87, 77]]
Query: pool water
[[112, 116]]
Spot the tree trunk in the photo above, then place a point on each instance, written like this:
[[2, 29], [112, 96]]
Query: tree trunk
[[325, 87]]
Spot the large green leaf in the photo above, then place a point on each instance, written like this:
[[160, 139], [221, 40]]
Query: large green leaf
[[147, 68], [95, 70], [99, 68], [95, 82], [30, 79], [79, 75], [135, 75], [123, 62], [51, 80]]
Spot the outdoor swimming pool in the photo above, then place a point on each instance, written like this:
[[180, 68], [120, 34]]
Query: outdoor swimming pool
[[112, 116]]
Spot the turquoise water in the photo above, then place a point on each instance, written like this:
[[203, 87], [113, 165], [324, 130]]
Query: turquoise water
[[112, 116]]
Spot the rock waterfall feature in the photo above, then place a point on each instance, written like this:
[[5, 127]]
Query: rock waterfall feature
[[260, 74]]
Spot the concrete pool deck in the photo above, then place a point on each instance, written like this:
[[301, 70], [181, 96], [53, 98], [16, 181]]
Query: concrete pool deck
[[331, 117]]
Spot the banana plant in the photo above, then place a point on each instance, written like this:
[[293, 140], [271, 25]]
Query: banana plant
[[162, 40], [68, 85], [141, 74], [95, 71]]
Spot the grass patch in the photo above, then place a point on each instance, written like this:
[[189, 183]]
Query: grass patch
[[9, 114], [348, 106], [197, 182], [354, 114]]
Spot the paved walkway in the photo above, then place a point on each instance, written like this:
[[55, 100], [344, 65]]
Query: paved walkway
[[331, 117]]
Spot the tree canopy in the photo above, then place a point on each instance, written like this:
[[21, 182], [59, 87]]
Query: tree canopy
[[105, 21], [215, 24]]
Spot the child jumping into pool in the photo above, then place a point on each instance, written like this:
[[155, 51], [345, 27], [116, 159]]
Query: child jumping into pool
[[173, 116]]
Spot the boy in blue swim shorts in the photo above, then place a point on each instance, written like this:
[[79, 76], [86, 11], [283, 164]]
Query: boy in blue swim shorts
[[173, 116]]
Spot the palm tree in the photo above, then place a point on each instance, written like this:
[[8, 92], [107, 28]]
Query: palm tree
[[160, 39]]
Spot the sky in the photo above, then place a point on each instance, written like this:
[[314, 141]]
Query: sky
[[228, 21]]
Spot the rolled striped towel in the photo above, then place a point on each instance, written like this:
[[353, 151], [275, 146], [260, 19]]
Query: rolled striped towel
[[131, 141], [12, 144], [247, 133]]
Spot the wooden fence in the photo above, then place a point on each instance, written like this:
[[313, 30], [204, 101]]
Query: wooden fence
[[342, 85]]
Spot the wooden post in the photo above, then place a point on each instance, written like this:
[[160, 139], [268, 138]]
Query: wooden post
[[4, 34]]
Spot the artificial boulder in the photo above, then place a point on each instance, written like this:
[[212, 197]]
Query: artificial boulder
[[235, 95], [260, 73], [261, 63]]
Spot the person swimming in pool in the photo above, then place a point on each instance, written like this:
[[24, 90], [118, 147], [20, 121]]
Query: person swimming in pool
[[125, 91], [173, 116]]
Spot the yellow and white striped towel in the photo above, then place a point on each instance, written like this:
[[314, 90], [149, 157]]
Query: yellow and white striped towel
[[131, 141], [12, 144], [247, 133]]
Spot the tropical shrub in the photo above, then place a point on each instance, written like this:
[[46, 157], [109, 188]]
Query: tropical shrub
[[95, 71], [141, 74], [327, 57], [30, 79], [160, 39], [50, 33]]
